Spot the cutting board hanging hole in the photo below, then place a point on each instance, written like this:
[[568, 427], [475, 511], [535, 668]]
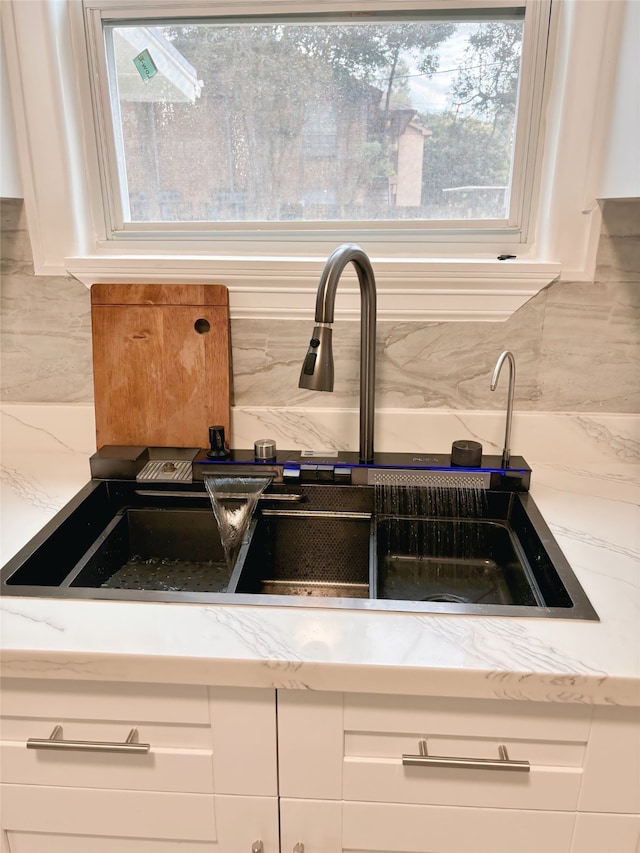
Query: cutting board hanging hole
[[202, 326]]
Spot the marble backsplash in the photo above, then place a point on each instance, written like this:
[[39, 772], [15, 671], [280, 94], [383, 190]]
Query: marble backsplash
[[576, 343]]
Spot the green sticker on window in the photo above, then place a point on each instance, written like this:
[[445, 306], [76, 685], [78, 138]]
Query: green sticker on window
[[145, 65]]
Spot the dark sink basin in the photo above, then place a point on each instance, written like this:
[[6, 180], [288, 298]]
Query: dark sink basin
[[460, 560], [325, 555], [145, 548], [338, 543]]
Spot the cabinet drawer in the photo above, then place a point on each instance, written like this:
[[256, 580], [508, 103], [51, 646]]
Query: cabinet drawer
[[70, 820], [358, 743], [100, 700], [168, 765], [197, 737]]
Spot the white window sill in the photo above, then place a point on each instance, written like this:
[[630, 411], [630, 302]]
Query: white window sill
[[433, 290]]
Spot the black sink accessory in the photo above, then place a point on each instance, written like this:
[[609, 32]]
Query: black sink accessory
[[466, 453], [217, 445]]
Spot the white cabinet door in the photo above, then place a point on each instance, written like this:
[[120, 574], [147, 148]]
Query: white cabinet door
[[315, 824], [337, 827], [41, 819]]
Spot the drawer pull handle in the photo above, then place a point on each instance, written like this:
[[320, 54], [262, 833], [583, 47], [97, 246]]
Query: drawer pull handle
[[55, 741], [257, 847], [501, 763], [299, 848]]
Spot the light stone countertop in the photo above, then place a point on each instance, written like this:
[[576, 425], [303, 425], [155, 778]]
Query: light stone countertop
[[585, 481]]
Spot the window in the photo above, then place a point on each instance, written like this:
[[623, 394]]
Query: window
[[434, 199], [413, 117], [395, 117]]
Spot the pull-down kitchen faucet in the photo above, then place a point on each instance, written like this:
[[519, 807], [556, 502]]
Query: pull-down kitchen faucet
[[317, 369]]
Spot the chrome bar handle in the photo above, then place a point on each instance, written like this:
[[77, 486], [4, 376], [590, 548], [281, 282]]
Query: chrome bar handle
[[257, 847], [55, 741], [423, 759]]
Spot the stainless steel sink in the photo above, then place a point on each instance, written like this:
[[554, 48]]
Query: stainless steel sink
[[335, 546]]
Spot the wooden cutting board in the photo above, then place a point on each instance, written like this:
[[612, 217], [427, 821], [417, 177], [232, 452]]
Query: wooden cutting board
[[161, 363]]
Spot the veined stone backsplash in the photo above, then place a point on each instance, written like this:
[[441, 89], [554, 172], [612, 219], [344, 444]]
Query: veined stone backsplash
[[576, 343]]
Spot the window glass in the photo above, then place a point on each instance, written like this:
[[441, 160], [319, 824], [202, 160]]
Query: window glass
[[295, 120]]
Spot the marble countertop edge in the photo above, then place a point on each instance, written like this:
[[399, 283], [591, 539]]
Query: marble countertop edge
[[554, 687]]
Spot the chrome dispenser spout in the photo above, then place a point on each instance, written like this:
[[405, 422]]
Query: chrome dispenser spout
[[317, 369], [507, 354]]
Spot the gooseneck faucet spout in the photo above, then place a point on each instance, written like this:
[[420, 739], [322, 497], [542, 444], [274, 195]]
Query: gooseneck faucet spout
[[317, 369], [507, 354]]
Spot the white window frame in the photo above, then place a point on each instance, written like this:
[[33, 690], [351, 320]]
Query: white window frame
[[61, 138]]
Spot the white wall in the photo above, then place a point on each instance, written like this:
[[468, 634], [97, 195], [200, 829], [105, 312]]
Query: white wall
[[10, 184], [621, 174]]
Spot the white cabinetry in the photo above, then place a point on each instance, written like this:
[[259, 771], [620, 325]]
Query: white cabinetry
[[10, 183], [345, 785], [350, 772], [606, 833], [621, 168], [609, 807], [612, 777], [207, 781], [325, 826]]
